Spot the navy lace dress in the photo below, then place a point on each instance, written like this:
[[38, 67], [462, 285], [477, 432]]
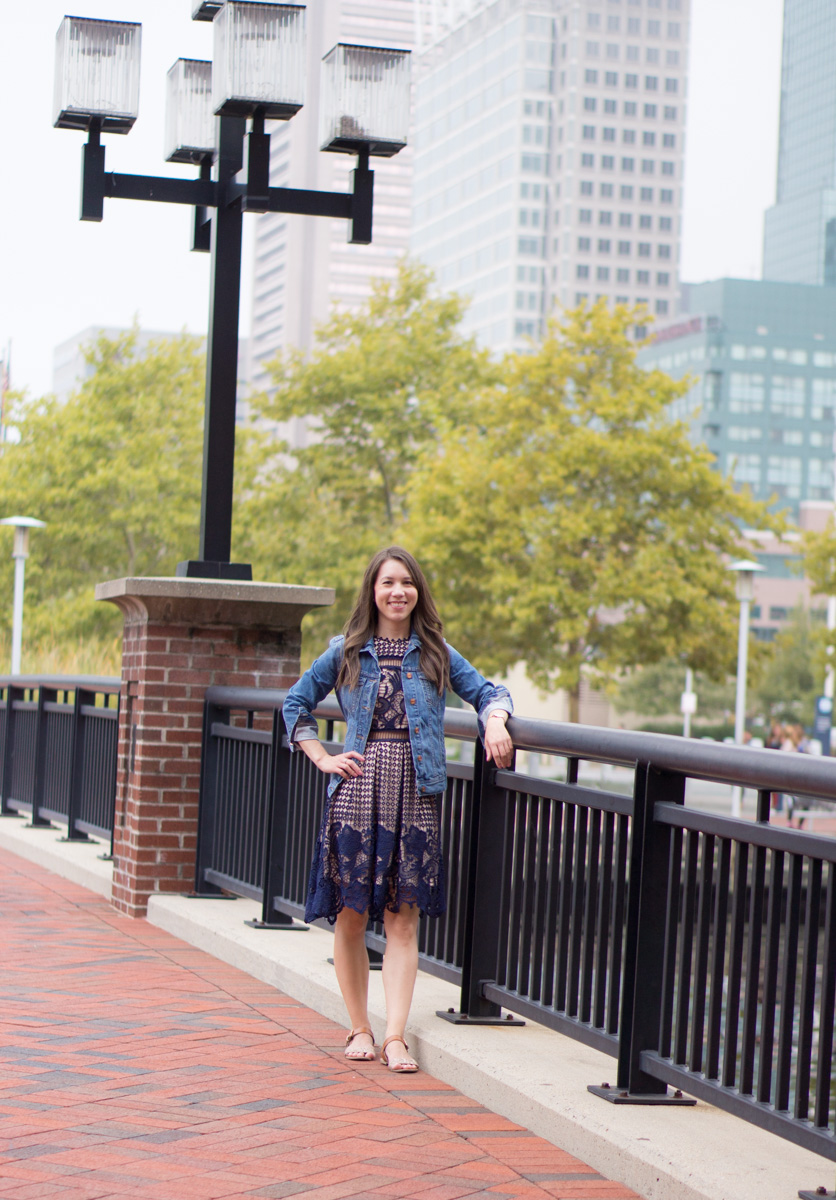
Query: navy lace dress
[[378, 846]]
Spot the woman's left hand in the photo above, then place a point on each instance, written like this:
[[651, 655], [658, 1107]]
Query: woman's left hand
[[498, 745]]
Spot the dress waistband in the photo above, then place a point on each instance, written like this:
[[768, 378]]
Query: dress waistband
[[389, 735]]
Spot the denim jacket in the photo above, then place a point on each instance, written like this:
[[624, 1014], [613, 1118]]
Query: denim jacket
[[423, 704]]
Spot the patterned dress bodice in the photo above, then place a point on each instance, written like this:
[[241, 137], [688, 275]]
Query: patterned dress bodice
[[390, 708]]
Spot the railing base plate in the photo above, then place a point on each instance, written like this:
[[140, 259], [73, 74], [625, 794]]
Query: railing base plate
[[460, 1018], [820, 1193], [77, 837], [617, 1095], [209, 896], [288, 928]]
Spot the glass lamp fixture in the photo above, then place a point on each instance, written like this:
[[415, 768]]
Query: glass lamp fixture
[[96, 74], [365, 100], [746, 570], [259, 59], [189, 120]]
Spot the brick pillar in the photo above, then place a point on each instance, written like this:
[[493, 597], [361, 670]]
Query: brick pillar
[[180, 637]]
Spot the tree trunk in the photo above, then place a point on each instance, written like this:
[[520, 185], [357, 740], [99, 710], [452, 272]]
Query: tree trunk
[[575, 704]]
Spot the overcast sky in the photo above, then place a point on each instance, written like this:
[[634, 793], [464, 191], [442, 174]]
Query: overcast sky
[[60, 275]]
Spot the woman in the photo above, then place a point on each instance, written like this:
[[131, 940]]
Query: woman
[[378, 853]]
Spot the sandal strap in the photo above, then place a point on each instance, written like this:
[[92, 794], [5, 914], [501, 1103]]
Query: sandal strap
[[394, 1038], [355, 1032]]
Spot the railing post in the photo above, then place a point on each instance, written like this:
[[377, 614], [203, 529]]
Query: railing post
[[12, 694], [644, 950], [275, 834], [77, 750], [486, 839], [206, 812], [44, 694]]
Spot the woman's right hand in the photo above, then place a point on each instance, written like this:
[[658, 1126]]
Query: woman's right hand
[[345, 765]]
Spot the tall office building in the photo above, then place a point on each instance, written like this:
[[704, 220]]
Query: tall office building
[[800, 229], [303, 266], [549, 140]]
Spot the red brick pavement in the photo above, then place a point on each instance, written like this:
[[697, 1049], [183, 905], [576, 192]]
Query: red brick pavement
[[134, 1066]]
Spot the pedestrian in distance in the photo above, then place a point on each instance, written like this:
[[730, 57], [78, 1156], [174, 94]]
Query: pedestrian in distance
[[378, 854]]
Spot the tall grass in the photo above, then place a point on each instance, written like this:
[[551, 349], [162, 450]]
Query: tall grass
[[49, 656]]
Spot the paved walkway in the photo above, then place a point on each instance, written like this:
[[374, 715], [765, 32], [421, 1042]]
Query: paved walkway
[[132, 1065]]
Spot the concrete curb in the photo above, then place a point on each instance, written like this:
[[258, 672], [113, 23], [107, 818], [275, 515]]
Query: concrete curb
[[530, 1075]]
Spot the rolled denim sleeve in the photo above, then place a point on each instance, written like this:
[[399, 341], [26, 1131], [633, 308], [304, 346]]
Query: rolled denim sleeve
[[308, 692], [475, 689]]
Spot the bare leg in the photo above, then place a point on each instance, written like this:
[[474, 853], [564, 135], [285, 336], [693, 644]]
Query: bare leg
[[400, 967], [351, 962]]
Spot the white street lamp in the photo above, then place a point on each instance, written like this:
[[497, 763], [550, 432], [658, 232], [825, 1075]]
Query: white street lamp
[[20, 553], [746, 570]]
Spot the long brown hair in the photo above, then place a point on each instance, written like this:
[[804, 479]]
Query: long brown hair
[[426, 623]]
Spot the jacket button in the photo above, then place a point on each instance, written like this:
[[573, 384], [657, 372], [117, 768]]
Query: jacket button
[[415, 729], [412, 701], [419, 758], [409, 674]]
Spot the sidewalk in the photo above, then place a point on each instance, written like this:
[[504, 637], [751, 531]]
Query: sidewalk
[[133, 1065]]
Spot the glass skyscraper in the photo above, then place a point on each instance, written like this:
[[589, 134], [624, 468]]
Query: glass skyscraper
[[800, 229], [548, 159]]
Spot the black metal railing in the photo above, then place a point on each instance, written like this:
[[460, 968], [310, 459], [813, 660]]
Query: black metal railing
[[698, 950], [58, 747]]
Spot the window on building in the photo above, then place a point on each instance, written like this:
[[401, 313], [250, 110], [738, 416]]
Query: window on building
[[602, 274], [585, 216], [648, 166], [645, 221], [631, 81], [588, 133], [622, 299], [663, 250], [604, 245], [644, 251], [608, 134], [626, 192], [648, 138], [743, 433], [625, 220], [628, 136], [611, 79], [590, 103], [582, 271], [671, 58], [663, 279], [630, 108], [670, 113], [634, 26], [586, 187], [607, 190], [654, 28], [587, 160], [584, 244], [823, 400], [607, 162], [674, 30], [613, 23], [613, 51], [744, 468], [593, 49], [590, 75], [624, 248], [746, 392], [628, 164], [651, 56], [672, 85], [581, 297], [642, 278], [593, 20], [783, 475], [788, 395], [604, 217], [661, 308], [666, 195], [623, 275], [823, 358], [610, 106], [651, 83], [666, 224], [668, 168], [633, 54]]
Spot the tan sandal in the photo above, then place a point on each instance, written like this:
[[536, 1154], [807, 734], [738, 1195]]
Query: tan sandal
[[359, 1055], [403, 1066]]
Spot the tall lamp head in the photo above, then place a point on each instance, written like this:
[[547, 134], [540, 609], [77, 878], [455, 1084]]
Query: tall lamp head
[[745, 569], [97, 74]]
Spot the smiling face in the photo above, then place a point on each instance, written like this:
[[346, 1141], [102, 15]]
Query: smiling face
[[395, 596]]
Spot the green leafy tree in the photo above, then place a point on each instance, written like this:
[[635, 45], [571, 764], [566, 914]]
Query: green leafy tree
[[115, 472], [656, 690], [789, 676], [572, 526], [374, 390]]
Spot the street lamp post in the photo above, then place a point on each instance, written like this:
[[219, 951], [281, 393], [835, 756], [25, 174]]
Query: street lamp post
[[257, 74], [20, 553], [746, 570]]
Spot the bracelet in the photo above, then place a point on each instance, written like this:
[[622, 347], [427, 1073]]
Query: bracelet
[[500, 713]]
